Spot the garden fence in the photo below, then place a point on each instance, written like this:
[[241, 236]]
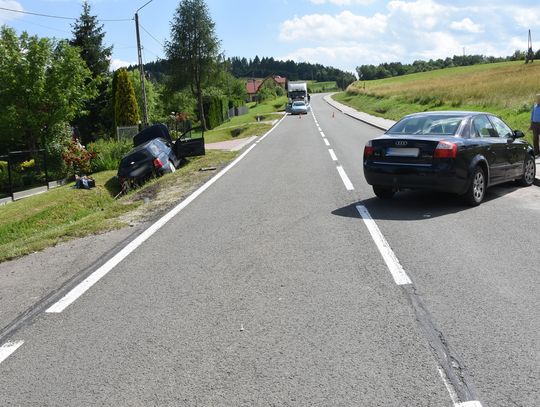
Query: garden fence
[[21, 172], [126, 132]]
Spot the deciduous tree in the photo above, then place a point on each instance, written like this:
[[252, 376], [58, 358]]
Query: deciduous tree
[[193, 49], [44, 84]]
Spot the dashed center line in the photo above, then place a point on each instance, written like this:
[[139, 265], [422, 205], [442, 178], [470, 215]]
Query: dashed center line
[[326, 142], [332, 154], [392, 262], [348, 184]]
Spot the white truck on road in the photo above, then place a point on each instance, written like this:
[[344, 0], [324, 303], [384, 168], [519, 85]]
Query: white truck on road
[[297, 91]]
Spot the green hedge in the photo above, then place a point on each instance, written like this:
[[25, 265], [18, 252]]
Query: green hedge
[[215, 110]]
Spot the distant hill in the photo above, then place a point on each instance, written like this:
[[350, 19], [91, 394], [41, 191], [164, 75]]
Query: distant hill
[[506, 89], [261, 68], [293, 71]]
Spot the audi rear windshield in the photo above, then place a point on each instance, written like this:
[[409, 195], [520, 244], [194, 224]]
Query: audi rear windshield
[[428, 125]]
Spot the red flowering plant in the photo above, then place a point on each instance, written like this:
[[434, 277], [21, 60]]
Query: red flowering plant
[[78, 159]]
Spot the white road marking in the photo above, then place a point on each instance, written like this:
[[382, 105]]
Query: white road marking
[[102, 271], [322, 134], [8, 348], [448, 386], [263, 137], [392, 262], [326, 142], [469, 404], [348, 184], [332, 154]]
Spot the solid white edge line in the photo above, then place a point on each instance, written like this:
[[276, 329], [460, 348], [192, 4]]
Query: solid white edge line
[[93, 278], [8, 348], [348, 184], [392, 262], [271, 130], [448, 386], [332, 154], [326, 142], [473, 403]]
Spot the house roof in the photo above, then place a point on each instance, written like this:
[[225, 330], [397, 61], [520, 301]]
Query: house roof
[[252, 86]]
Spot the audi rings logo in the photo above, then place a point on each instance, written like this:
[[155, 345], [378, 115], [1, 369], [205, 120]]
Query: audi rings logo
[[401, 143]]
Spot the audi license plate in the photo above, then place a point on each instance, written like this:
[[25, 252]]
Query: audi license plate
[[402, 152]]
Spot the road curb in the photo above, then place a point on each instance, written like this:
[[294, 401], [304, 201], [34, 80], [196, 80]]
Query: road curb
[[339, 106]]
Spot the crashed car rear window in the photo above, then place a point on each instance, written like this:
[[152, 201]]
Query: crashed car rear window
[[135, 157], [429, 125]]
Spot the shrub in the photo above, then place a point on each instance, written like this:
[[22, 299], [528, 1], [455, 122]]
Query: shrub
[[78, 159], [108, 153]]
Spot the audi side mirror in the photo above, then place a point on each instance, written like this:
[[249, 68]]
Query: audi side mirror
[[518, 134]]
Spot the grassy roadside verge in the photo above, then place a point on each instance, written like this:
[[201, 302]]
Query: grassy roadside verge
[[255, 123], [505, 89], [41, 221]]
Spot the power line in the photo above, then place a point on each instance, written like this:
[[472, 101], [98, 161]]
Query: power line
[[45, 26], [58, 17], [144, 5], [151, 36]]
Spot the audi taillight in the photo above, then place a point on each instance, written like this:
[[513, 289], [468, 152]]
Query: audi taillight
[[368, 149], [446, 149], [157, 163]]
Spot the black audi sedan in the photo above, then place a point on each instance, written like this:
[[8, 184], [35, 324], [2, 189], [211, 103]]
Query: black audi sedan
[[458, 152]]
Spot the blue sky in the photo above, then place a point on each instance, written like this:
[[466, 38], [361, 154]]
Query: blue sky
[[341, 33]]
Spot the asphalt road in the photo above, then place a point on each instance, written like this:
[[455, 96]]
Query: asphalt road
[[269, 289]]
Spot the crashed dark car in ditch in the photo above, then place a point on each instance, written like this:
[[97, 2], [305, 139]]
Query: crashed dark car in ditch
[[155, 154]]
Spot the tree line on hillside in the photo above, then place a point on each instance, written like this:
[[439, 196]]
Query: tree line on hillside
[[294, 71], [391, 69], [263, 67]]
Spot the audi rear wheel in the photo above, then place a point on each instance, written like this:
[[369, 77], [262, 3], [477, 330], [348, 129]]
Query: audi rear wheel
[[529, 172], [477, 190]]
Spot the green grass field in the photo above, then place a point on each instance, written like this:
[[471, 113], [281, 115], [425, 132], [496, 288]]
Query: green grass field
[[320, 87], [505, 89], [63, 213], [247, 125]]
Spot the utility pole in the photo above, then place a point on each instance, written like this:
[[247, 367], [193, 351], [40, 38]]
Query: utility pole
[[529, 56], [141, 72]]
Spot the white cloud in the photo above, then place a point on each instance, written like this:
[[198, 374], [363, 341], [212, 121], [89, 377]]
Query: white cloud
[[6, 16], [439, 45], [347, 57], [118, 63], [408, 30], [423, 14], [345, 26], [466, 25], [526, 17]]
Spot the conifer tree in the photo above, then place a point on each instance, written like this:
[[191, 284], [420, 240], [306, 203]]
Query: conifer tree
[[88, 36], [126, 109]]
